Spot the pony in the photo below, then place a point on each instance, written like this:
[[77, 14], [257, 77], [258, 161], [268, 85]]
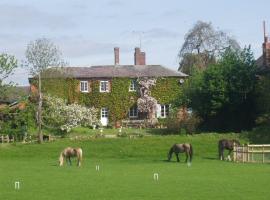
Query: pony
[[181, 148], [69, 152], [226, 144]]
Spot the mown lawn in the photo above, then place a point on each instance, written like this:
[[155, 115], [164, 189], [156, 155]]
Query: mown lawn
[[126, 171]]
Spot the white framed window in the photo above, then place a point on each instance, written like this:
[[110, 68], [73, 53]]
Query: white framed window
[[84, 86], [132, 86], [104, 86], [104, 112], [133, 112], [164, 112]]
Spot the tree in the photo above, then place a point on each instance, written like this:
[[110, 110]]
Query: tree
[[65, 117], [41, 54], [223, 94], [206, 43], [8, 64], [146, 103]]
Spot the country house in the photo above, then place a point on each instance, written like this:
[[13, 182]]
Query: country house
[[115, 89]]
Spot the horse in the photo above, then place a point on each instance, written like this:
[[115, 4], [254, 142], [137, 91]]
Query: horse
[[181, 148], [226, 144], [69, 152]]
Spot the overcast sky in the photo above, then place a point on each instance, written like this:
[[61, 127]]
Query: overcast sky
[[87, 31]]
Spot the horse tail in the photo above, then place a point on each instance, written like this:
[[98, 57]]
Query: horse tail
[[220, 149], [61, 159], [79, 154], [190, 152]]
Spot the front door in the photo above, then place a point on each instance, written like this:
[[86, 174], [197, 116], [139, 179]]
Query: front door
[[104, 116]]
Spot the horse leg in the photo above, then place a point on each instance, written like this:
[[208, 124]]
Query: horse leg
[[186, 156], [178, 160], [222, 154], [69, 160]]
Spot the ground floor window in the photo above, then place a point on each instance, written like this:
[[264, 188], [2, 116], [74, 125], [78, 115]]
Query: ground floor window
[[104, 112], [164, 111], [133, 112]]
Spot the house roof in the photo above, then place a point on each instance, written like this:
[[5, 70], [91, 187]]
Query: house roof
[[261, 68], [15, 93], [132, 71]]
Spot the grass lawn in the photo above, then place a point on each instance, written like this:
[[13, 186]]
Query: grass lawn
[[126, 171]]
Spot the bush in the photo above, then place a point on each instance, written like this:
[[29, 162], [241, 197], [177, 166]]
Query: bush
[[182, 122]]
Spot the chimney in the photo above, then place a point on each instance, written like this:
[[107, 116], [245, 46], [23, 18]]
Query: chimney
[[266, 48], [116, 55], [142, 58], [139, 57]]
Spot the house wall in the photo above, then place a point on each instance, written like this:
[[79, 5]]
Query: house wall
[[118, 100]]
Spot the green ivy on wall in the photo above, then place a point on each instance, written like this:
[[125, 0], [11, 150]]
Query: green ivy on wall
[[166, 90], [118, 100]]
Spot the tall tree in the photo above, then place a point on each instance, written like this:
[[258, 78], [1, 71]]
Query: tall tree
[[8, 64], [223, 94], [41, 54], [202, 45]]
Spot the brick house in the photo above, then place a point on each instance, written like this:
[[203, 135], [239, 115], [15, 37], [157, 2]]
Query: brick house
[[99, 81], [263, 62]]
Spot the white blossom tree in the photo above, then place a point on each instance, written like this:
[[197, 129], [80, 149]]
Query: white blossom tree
[[65, 117]]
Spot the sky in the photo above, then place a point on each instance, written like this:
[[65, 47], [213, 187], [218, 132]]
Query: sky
[[87, 31]]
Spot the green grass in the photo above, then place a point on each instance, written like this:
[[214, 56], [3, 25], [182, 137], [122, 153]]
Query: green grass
[[126, 171]]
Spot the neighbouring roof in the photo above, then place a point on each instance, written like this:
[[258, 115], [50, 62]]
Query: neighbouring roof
[[132, 71], [15, 94], [261, 68]]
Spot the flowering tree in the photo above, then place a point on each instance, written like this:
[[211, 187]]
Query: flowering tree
[[65, 117], [146, 103]]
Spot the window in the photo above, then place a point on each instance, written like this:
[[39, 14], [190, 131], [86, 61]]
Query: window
[[164, 111], [133, 112], [84, 86], [104, 112], [132, 86], [104, 86]]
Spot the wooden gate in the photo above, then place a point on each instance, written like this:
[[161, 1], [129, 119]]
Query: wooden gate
[[252, 153]]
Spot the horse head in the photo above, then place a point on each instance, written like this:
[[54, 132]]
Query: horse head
[[170, 154]]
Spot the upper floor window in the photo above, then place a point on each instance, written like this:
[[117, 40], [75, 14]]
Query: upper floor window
[[84, 86], [164, 111], [132, 86], [133, 112], [104, 86]]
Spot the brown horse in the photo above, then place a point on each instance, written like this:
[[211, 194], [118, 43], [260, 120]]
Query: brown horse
[[181, 148], [69, 152], [226, 144]]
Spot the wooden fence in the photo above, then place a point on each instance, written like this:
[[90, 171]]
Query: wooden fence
[[252, 153], [6, 138]]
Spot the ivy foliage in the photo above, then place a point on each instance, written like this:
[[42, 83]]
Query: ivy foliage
[[118, 101]]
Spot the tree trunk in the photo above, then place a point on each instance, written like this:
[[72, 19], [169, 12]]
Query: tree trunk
[[40, 136]]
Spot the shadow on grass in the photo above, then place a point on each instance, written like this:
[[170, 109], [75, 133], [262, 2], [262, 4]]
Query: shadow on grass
[[210, 158]]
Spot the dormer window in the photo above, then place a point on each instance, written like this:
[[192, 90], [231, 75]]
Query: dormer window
[[104, 86], [132, 86], [84, 86]]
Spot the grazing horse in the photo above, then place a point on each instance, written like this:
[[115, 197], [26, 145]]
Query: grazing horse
[[181, 148], [69, 152], [226, 144]]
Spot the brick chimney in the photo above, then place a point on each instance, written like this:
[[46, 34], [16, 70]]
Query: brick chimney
[[116, 55], [266, 48], [139, 57]]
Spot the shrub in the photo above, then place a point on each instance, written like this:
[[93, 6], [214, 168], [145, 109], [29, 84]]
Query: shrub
[[180, 121]]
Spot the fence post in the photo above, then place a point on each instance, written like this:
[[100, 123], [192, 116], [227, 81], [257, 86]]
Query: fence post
[[263, 153]]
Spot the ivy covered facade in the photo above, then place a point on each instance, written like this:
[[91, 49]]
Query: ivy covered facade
[[114, 89]]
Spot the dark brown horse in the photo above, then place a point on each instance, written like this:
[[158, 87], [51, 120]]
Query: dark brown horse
[[226, 144], [181, 148]]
